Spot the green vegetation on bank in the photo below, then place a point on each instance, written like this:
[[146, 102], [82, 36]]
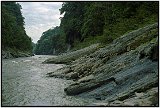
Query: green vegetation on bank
[[83, 24], [52, 41], [13, 32], [86, 23]]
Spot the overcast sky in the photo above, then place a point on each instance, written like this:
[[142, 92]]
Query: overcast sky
[[39, 17]]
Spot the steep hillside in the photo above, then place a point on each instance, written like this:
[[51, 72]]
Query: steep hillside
[[87, 23], [15, 42], [51, 42]]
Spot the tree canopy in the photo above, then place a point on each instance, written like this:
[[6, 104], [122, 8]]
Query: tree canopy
[[85, 23], [106, 19], [13, 32], [52, 41]]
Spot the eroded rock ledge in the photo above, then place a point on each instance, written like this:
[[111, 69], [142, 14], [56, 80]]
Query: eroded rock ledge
[[68, 57], [116, 72]]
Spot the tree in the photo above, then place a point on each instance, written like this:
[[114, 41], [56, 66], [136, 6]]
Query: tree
[[72, 21], [13, 33]]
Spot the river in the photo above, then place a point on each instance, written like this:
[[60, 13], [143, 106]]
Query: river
[[24, 83]]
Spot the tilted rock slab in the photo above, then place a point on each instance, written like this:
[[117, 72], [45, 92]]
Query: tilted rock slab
[[128, 65], [68, 57]]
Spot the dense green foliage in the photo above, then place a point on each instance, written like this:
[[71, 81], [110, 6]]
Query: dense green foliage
[[86, 23], [13, 32], [83, 22], [51, 42]]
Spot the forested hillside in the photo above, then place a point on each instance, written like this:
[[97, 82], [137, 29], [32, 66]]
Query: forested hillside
[[14, 36], [52, 41], [86, 23], [89, 22]]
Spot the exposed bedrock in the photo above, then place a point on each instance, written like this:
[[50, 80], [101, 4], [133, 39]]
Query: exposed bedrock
[[116, 72], [70, 56]]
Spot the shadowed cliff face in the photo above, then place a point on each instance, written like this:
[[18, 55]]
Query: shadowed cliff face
[[128, 65]]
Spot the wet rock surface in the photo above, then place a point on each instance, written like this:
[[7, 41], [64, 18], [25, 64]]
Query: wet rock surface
[[116, 72]]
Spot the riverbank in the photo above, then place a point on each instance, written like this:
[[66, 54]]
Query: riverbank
[[119, 72], [13, 53]]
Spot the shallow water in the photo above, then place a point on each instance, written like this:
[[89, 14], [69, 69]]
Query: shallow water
[[24, 83]]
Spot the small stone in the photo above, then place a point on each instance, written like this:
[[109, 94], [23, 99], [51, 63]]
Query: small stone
[[101, 104], [129, 103], [116, 103], [139, 94]]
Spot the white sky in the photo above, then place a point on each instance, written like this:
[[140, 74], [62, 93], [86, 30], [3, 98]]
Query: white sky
[[39, 17]]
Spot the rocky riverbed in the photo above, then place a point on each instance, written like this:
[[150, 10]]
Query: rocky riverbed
[[124, 73]]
